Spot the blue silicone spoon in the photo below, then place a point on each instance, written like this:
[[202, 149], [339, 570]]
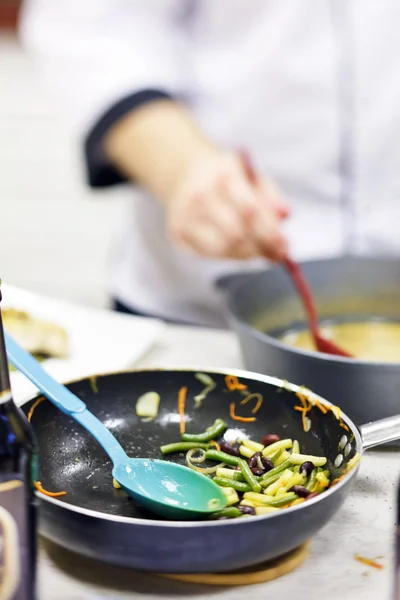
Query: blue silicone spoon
[[167, 489]]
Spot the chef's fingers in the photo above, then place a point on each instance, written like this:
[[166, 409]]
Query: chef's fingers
[[271, 195], [205, 239], [267, 234], [238, 192], [261, 210]]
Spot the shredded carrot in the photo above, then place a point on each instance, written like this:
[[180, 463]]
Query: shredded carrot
[[181, 408], [300, 408], [335, 481], [368, 562], [237, 418], [303, 398], [35, 404], [39, 488], [321, 407], [216, 445], [232, 383], [344, 426], [251, 397]]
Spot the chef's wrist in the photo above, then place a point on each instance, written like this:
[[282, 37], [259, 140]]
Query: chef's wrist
[[156, 145]]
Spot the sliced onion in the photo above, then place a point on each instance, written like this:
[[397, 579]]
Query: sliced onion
[[190, 459], [147, 405]]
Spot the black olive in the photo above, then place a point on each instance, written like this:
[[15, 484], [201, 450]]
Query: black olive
[[247, 510], [300, 491], [258, 472], [267, 464], [307, 468], [225, 447], [271, 438], [253, 460]]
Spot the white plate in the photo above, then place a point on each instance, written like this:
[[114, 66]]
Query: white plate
[[99, 340]]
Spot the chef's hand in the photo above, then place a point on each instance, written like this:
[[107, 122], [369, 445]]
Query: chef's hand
[[211, 206], [216, 212]]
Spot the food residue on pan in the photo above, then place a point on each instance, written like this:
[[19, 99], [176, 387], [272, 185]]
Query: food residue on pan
[[368, 561]]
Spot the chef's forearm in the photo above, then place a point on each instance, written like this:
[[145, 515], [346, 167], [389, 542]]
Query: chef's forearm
[[155, 145]]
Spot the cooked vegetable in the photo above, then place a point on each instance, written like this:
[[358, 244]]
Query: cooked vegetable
[[246, 452], [222, 457], [286, 499], [196, 456], [299, 459], [229, 449], [271, 438], [34, 405], [210, 433], [249, 477], [240, 486], [209, 386], [265, 510], [280, 445], [258, 403], [181, 409], [38, 486], [307, 467], [300, 490], [230, 474], [232, 383], [311, 482], [182, 447], [254, 446], [93, 384], [227, 513], [231, 495], [237, 418], [116, 485], [274, 472], [247, 510], [148, 404]]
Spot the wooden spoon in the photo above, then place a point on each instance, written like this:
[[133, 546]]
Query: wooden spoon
[[321, 342]]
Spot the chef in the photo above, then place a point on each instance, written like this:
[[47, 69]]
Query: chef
[[163, 93]]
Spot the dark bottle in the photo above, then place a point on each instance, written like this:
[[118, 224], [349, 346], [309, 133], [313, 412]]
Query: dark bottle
[[17, 503], [396, 587]]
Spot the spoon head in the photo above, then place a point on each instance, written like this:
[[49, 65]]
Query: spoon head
[[168, 489]]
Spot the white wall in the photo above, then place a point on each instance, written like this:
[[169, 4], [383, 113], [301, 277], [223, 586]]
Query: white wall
[[54, 232]]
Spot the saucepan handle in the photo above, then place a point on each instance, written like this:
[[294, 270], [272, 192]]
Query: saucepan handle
[[380, 432]]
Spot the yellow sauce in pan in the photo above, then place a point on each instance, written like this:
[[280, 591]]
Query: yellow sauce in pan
[[370, 340]]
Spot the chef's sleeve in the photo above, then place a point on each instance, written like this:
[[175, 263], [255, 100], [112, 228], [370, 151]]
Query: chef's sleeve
[[106, 58]]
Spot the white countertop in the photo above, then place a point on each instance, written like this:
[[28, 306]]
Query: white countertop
[[365, 525]]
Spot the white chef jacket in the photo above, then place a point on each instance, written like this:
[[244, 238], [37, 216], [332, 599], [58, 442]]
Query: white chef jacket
[[310, 87]]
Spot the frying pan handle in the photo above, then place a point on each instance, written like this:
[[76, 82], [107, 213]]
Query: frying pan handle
[[54, 391], [380, 432]]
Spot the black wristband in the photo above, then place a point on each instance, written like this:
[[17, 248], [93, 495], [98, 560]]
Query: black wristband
[[100, 172]]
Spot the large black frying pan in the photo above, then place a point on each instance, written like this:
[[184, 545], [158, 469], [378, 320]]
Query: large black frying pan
[[99, 521]]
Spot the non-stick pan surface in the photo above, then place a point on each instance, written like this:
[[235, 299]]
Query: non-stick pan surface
[[97, 520]]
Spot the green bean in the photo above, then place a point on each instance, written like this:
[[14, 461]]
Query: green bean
[[283, 501], [240, 486], [229, 474], [231, 512], [249, 477], [268, 480], [211, 433], [182, 447], [311, 482], [219, 456], [275, 456], [285, 465]]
